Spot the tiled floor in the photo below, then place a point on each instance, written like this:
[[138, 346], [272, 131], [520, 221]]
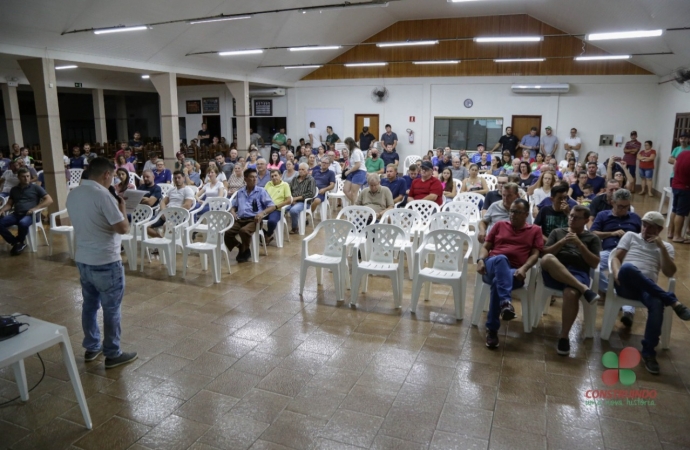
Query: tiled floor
[[249, 364]]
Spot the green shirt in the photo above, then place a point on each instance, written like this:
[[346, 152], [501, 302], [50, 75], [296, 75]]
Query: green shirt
[[279, 139], [674, 154], [374, 165]]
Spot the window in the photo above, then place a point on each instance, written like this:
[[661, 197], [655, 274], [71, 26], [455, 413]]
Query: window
[[464, 133], [682, 126]]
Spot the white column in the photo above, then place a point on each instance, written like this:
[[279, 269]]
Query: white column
[[166, 85], [122, 133], [41, 75], [14, 123], [240, 92], [99, 115]]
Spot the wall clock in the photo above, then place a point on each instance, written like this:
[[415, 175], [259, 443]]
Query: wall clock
[[468, 103]]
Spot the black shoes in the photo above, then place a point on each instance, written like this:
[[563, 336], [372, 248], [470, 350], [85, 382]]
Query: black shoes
[[244, 256], [682, 311], [90, 356], [591, 296], [627, 319], [507, 312], [492, 339], [124, 358], [17, 248], [563, 347], [651, 364]]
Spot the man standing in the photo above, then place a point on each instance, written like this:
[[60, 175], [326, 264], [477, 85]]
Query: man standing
[[331, 137], [555, 215], [635, 270], [279, 191], [204, 136], [630, 151], [314, 136], [325, 181], [510, 250], [681, 196], [365, 139], [684, 140], [375, 196], [530, 142], [507, 142], [478, 156], [255, 138], [88, 156], [389, 138], [459, 172], [99, 218], [549, 144], [250, 206], [570, 253], [302, 187], [603, 202], [390, 156], [397, 186], [280, 138], [498, 211], [136, 142], [427, 187], [26, 198], [573, 143]]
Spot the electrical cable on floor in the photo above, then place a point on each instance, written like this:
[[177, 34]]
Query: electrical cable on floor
[[35, 385]]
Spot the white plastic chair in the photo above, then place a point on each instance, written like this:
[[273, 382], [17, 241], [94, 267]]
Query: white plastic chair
[[525, 294], [444, 249], [165, 188], [140, 215], [359, 216], [334, 256], [458, 186], [176, 219], [426, 209], [406, 220], [216, 223], [614, 303], [74, 178], [32, 236], [471, 212], [491, 180], [410, 160], [336, 194], [65, 230], [282, 230], [543, 294], [214, 204], [380, 251], [302, 224]]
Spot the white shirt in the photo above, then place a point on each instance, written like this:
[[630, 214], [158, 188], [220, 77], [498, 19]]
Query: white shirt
[[93, 211], [335, 167], [11, 180], [644, 255], [178, 196], [316, 136], [65, 160], [220, 177], [213, 190], [539, 195], [358, 157], [574, 141]]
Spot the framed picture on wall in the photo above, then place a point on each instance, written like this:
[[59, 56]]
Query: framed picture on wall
[[193, 106], [210, 105], [263, 107]]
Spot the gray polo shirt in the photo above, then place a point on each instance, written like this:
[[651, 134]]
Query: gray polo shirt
[[496, 213], [93, 211], [549, 143], [26, 197]]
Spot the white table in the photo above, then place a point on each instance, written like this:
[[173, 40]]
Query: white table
[[38, 337]]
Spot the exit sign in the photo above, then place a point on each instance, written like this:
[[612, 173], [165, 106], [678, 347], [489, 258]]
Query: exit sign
[[77, 84]]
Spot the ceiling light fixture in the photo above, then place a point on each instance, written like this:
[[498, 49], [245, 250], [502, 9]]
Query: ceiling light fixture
[[241, 52], [436, 62], [601, 57], [146, 77], [314, 47], [623, 35], [120, 29], [65, 67], [460, 1], [405, 43], [220, 18], [372, 64], [316, 66], [519, 60], [509, 39]]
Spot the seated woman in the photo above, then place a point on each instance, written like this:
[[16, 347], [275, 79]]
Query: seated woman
[[577, 190], [525, 177], [275, 163], [449, 188], [475, 183], [568, 156], [484, 164], [542, 188], [123, 164], [213, 188], [538, 161], [123, 181], [570, 172], [236, 181]]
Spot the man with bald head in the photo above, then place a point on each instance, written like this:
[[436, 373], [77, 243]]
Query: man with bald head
[[375, 196], [153, 191]]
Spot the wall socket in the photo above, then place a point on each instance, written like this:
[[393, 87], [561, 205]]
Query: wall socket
[[605, 139]]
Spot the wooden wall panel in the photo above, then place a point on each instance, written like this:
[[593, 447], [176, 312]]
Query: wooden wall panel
[[563, 47]]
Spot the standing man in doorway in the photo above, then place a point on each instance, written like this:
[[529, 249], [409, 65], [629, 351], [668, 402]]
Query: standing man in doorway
[[630, 151], [531, 142], [549, 144], [389, 138], [204, 136], [507, 142], [99, 218], [365, 139], [574, 144]]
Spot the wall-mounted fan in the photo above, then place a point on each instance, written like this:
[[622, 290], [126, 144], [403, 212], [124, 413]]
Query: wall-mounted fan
[[379, 94], [681, 79]]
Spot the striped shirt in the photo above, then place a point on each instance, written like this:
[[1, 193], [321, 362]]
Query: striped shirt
[[305, 188]]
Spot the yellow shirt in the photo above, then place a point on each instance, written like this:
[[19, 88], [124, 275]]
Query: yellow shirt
[[278, 193]]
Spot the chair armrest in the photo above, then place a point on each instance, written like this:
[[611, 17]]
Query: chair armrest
[[672, 285], [53, 216], [310, 237], [37, 214], [147, 223]]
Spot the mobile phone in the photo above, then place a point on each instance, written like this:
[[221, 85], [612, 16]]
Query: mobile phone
[[112, 191]]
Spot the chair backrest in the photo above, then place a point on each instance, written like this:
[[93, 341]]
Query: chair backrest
[[141, 213], [194, 189], [449, 221], [491, 180], [448, 248], [218, 204], [165, 188], [409, 160], [217, 222], [458, 185], [380, 242], [173, 217], [75, 176], [471, 197], [339, 183], [425, 208], [358, 216], [467, 209], [404, 218], [337, 232]]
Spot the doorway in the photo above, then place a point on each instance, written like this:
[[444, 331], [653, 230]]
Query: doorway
[[213, 124], [366, 120], [522, 124]]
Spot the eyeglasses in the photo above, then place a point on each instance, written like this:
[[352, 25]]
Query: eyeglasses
[[516, 211]]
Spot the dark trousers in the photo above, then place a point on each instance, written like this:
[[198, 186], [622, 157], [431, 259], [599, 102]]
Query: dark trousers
[[245, 228], [273, 220], [22, 222], [500, 276]]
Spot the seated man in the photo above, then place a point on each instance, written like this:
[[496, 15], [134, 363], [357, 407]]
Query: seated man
[[77, 161], [151, 163], [263, 176], [334, 164], [510, 250], [376, 196], [161, 174], [548, 201], [180, 197], [602, 202], [555, 215], [302, 187], [494, 196], [428, 187], [412, 174], [279, 191], [459, 172], [19, 163], [325, 181], [396, 185], [569, 254], [249, 207], [153, 191], [498, 211], [598, 183], [25, 198], [610, 226], [191, 176], [635, 269]]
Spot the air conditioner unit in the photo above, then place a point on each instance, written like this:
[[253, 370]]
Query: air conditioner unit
[[268, 92], [547, 88]]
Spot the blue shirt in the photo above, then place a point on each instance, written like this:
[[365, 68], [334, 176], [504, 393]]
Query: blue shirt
[[390, 158], [397, 186], [164, 177], [530, 141], [131, 159], [250, 204], [477, 157], [548, 202], [597, 183], [408, 182], [77, 162], [606, 221], [323, 179], [152, 191], [196, 178], [261, 181]]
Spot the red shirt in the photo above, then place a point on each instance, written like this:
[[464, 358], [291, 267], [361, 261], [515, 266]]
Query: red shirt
[[681, 172], [646, 154], [517, 245], [421, 189], [631, 158]]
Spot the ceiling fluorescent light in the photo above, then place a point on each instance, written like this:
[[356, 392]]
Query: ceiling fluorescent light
[[372, 64], [520, 60], [624, 35], [218, 19], [460, 1], [314, 47], [120, 29], [405, 43], [65, 67], [601, 57], [436, 62], [509, 39], [146, 77], [240, 52], [315, 66]]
